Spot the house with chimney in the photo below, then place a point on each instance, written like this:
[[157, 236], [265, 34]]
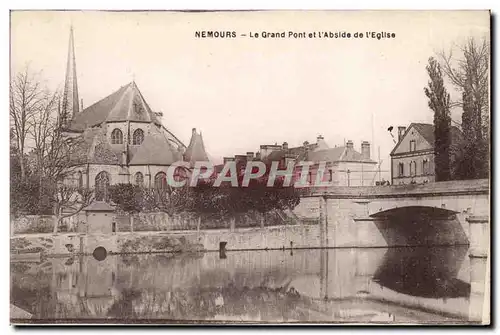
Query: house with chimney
[[344, 165], [412, 159]]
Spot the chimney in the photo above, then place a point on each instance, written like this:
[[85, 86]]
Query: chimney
[[257, 155], [249, 155], [285, 146], [365, 150], [401, 132], [319, 138], [349, 144]]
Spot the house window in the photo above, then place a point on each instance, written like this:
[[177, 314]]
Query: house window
[[413, 146], [138, 137], [139, 179], [102, 186], [117, 136], [401, 169], [80, 179], [161, 181], [425, 166], [413, 168], [331, 175]]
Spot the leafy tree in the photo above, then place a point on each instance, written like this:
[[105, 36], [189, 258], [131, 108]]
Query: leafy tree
[[439, 102], [129, 198]]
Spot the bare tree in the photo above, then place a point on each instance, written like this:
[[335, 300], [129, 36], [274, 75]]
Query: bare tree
[[469, 72], [69, 201], [26, 97]]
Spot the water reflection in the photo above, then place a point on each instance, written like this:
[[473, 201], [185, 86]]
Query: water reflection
[[335, 285], [419, 273]]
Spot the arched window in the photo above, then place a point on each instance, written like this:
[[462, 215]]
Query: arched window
[[161, 181], [139, 179], [138, 137], [117, 136], [102, 186]]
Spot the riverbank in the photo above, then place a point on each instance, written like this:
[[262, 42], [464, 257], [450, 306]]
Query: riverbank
[[268, 238]]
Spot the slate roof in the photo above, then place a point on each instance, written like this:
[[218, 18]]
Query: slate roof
[[337, 154], [318, 152], [196, 149], [126, 104], [155, 150], [427, 132], [99, 206]]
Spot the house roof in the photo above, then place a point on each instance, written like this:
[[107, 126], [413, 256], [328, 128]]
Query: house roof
[[126, 104], [196, 149], [99, 206], [336, 154], [427, 132]]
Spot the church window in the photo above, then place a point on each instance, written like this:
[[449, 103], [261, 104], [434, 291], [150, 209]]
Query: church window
[[117, 136], [161, 181], [102, 186], [139, 179], [401, 169], [138, 137]]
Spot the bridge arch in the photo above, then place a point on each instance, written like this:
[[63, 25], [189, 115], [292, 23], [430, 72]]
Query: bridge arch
[[421, 225]]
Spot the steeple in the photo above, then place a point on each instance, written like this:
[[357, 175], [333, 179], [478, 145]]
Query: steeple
[[70, 106]]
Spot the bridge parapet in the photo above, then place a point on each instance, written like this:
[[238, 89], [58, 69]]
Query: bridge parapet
[[455, 187]]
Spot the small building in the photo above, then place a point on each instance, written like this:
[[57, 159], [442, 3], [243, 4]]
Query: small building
[[412, 159], [100, 218]]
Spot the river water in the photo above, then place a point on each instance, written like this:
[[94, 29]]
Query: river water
[[402, 285]]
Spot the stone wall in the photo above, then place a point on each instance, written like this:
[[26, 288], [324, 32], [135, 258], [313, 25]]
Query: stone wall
[[31, 224]]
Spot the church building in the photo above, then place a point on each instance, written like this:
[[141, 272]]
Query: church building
[[122, 138]]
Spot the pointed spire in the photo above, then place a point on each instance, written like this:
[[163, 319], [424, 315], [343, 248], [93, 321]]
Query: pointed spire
[[196, 149], [70, 105]]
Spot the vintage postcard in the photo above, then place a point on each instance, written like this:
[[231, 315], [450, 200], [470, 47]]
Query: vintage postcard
[[255, 167]]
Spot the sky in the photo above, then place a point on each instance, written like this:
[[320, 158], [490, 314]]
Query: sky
[[243, 92]]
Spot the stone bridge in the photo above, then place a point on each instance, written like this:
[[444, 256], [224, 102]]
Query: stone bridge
[[441, 213]]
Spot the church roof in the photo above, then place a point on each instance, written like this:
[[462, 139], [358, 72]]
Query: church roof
[[126, 104], [196, 149], [155, 150]]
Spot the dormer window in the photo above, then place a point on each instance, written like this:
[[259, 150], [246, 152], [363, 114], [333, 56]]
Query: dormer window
[[117, 136], [138, 137]]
